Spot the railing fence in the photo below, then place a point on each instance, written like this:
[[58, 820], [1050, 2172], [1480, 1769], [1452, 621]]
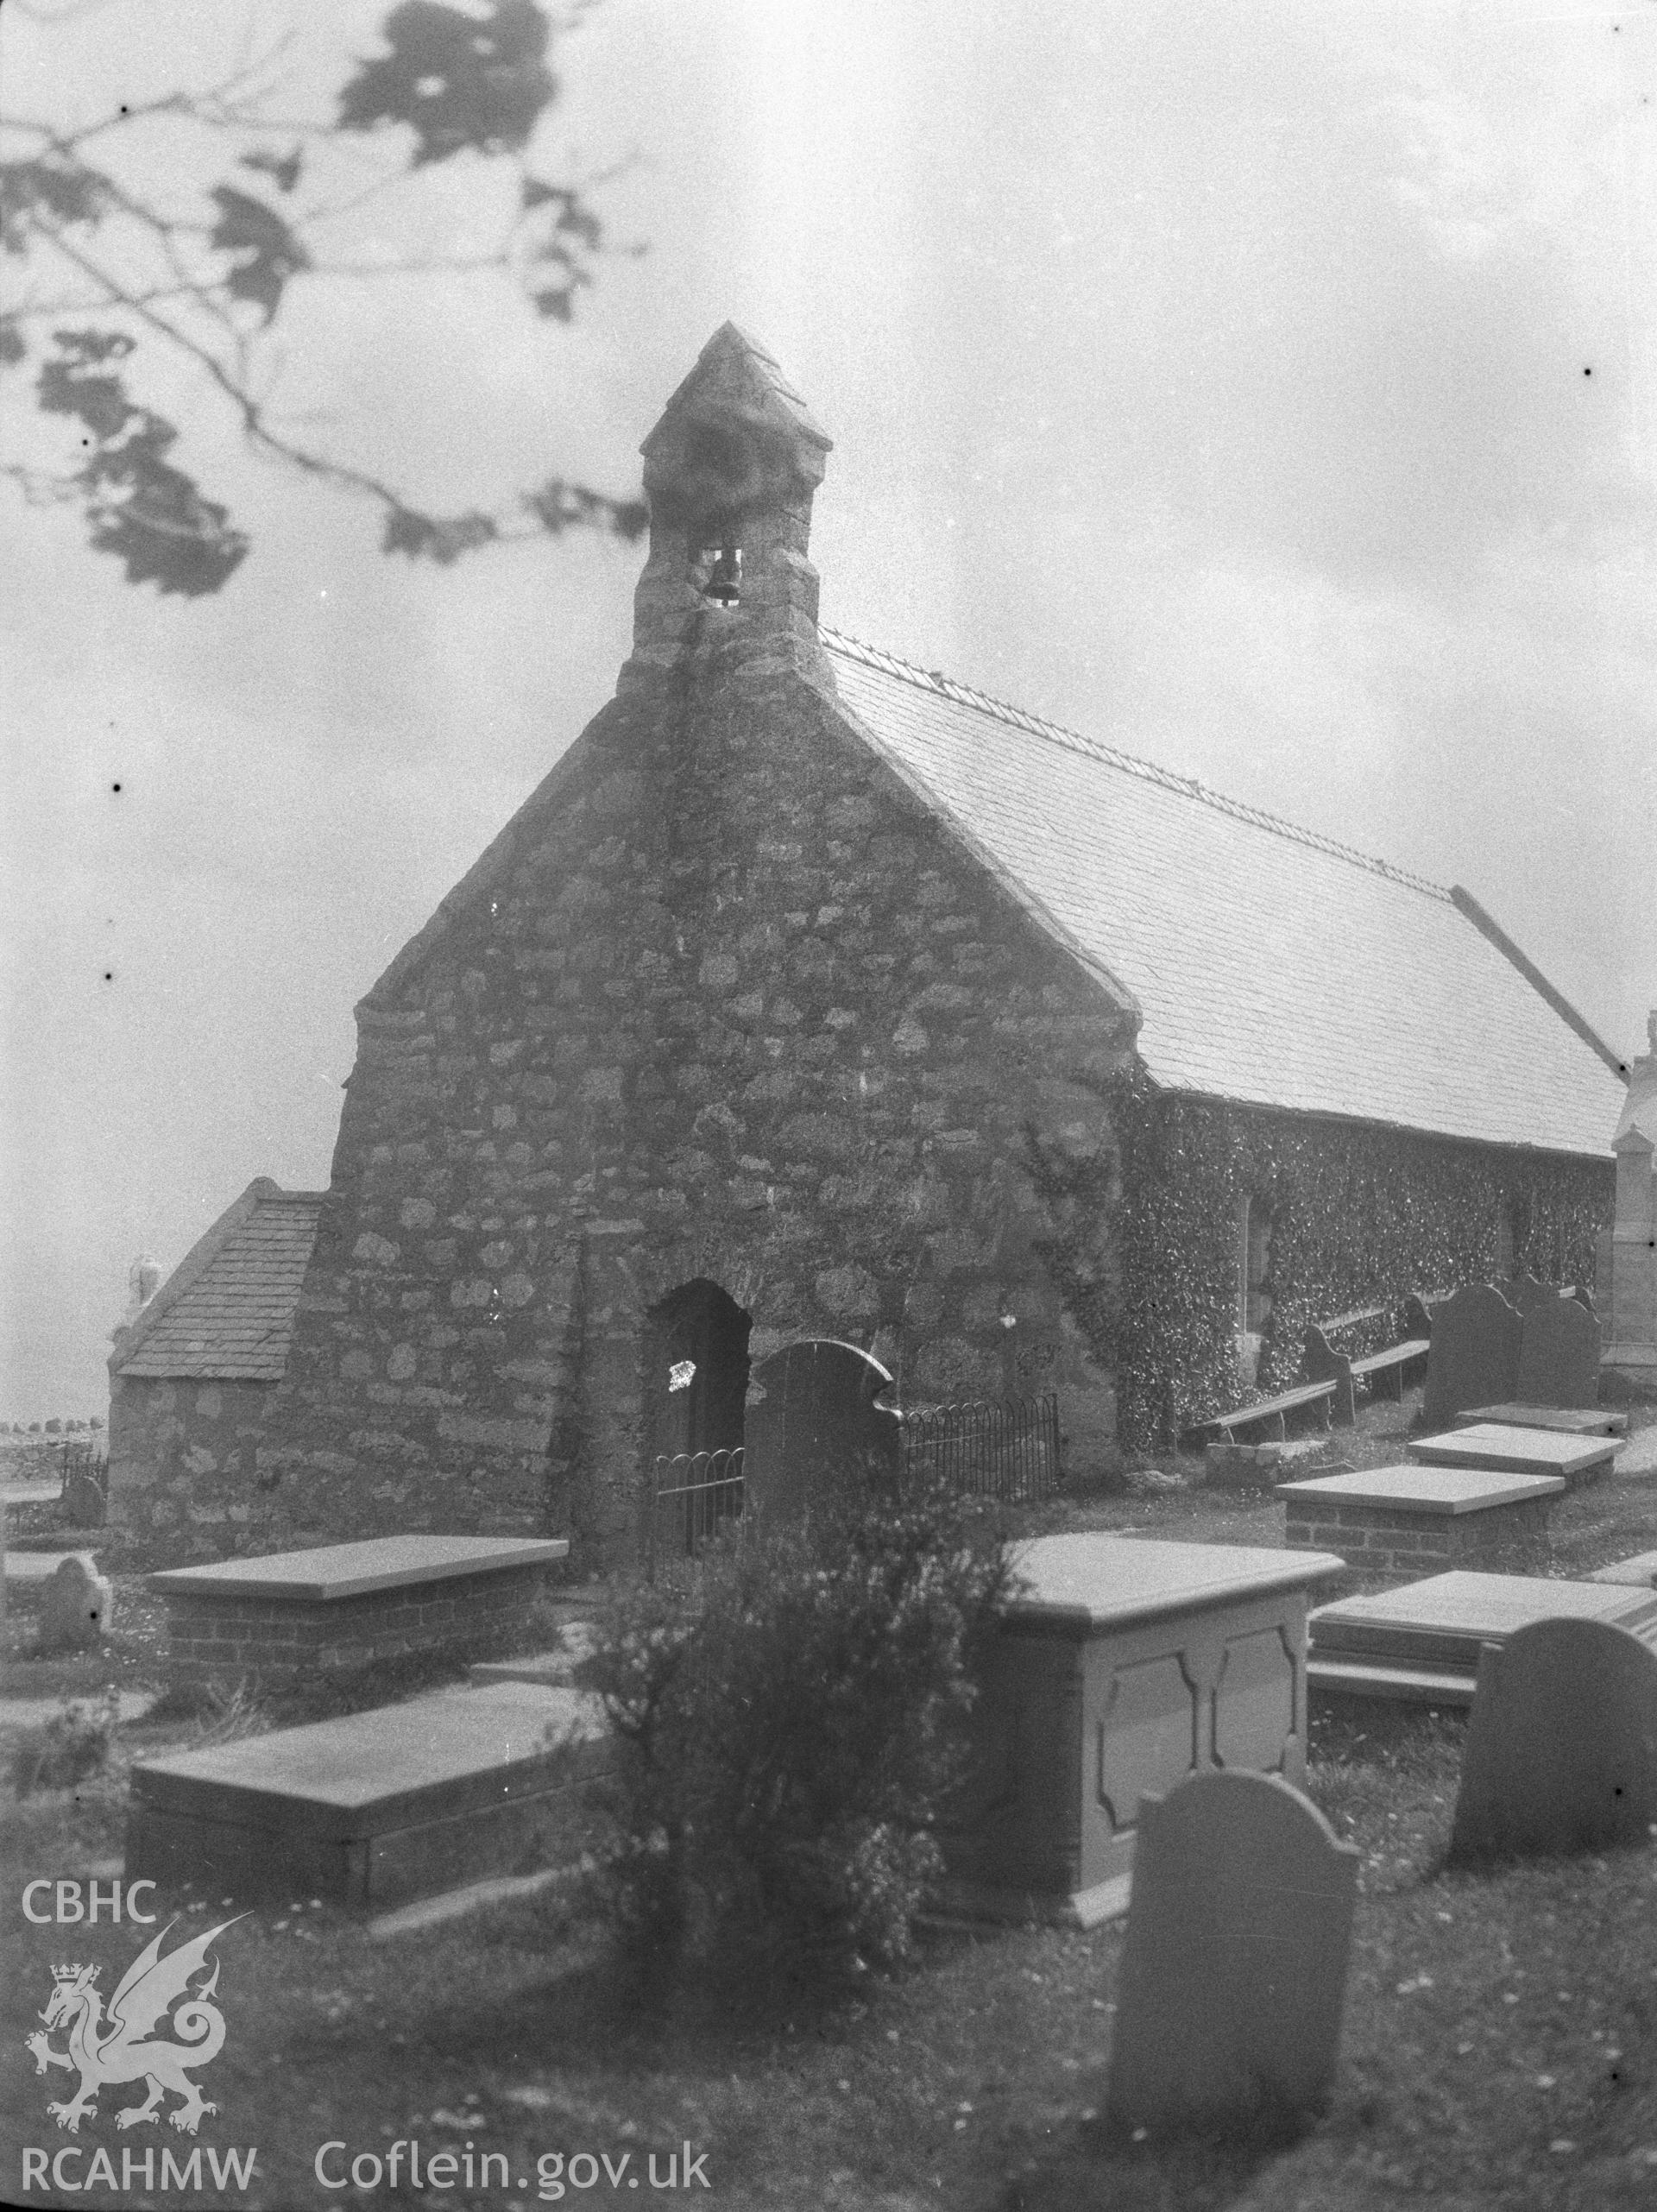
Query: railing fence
[[1004, 1448]]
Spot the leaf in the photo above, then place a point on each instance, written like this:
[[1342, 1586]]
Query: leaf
[[442, 538], [50, 190], [12, 346], [148, 513], [264, 253], [558, 507], [283, 168], [458, 80]]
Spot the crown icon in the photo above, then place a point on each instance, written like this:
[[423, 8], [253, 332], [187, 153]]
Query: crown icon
[[73, 1972]]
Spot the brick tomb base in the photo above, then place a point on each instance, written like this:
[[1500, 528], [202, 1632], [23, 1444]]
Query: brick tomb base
[[1397, 1524], [345, 1605]]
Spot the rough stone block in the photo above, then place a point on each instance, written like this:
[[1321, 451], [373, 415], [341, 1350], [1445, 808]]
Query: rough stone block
[[76, 1606], [1234, 1969]]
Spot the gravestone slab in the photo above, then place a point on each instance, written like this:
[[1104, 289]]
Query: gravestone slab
[[1524, 1293], [1452, 1490], [1421, 1643], [1639, 1572], [1567, 1421], [333, 1571], [376, 1806], [343, 1605], [1558, 1355], [813, 1430], [1475, 1357], [76, 1605], [1494, 1446], [1561, 1750], [1234, 1968]]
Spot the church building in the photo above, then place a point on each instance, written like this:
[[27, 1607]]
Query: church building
[[815, 993]]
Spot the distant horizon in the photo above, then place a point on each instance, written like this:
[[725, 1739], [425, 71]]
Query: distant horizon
[[1214, 387]]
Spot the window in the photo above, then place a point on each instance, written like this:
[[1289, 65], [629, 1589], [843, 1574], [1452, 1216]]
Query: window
[[1254, 1263]]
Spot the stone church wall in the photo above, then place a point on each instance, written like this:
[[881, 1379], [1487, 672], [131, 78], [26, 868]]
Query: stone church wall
[[183, 1456], [725, 1001]]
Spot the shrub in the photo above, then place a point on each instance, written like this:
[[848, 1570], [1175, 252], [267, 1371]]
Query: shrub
[[787, 1730], [73, 1745]]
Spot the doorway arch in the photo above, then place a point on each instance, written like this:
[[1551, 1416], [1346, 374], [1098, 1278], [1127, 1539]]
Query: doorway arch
[[697, 1370]]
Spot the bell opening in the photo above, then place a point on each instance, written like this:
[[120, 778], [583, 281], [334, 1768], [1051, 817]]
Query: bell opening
[[724, 586]]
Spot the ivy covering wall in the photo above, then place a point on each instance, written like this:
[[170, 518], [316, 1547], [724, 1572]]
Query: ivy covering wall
[[1360, 1216]]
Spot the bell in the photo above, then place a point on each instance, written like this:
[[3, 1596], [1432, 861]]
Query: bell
[[724, 585]]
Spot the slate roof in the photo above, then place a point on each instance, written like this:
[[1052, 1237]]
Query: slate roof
[[226, 1311], [1271, 966]]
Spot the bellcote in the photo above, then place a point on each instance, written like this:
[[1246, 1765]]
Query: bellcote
[[729, 472]]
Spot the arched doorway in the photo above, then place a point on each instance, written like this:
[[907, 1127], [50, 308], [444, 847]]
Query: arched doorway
[[696, 1377]]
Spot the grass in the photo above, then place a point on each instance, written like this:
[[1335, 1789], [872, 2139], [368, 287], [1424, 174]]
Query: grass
[[1499, 2047], [1499, 2051]]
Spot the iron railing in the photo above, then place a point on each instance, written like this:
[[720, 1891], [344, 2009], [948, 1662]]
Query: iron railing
[[1004, 1448], [83, 1463], [693, 1497]]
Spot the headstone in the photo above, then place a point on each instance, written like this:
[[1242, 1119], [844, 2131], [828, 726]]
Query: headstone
[[76, 1607], [814, 1430], [1525, 1293], [1234, 1969], [1558, 1355], [1321, 1362], [1561, 1750], [1475, 1357], [86, 1504]]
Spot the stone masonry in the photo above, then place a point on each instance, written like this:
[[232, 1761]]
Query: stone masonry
[[726, 1001]]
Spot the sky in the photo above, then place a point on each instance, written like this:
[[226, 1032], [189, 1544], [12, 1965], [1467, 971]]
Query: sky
[[1270, 391]]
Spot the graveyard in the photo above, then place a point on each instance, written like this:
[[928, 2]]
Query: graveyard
[[1497, 2024]]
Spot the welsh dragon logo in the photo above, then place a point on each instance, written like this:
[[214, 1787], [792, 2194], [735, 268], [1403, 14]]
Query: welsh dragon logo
[[122, 2049]]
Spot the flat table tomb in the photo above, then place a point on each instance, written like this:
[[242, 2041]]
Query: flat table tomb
[[346, 1605], [378, 1807], [1400, 1523], [1511, 1449], [1420, 1644], [1568, 1421], [1121, 1665]]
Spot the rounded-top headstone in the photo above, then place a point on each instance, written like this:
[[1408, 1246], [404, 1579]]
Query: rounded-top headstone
[[1561, 1750], [815, 1430], [1234, 1969], [1474, 1360]]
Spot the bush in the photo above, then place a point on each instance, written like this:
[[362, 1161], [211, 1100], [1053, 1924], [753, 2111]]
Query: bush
[[787, 1730], [72, 1745]]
